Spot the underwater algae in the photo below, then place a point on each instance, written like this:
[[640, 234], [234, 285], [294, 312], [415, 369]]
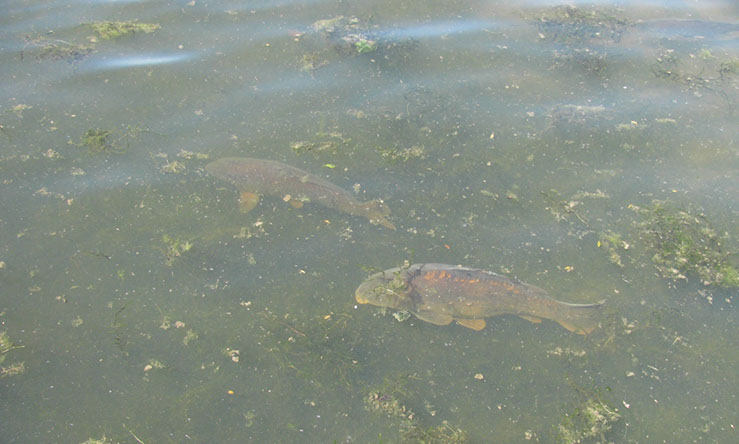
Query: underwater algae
[[7, 345], [56, 49], [685, 243], [114, 29], [98, 140], [389, 400], [589, 421]]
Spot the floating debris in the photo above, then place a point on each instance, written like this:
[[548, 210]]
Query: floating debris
[[153, 364]]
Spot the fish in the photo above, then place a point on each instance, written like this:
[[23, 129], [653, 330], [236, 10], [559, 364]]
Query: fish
[[442, 293], [257, 177]]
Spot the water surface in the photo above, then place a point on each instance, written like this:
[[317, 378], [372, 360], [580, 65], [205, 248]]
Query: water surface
[[509, 136]]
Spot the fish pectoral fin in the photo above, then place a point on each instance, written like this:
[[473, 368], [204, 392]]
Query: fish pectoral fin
[[296, 203], [434, 318], [475, 324], [580, 330], [529, 318], [384, 222], [247, 201]]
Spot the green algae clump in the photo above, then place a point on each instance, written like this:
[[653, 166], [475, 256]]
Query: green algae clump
[[590, 420], [103, 140], [174, 248], [386, 400], [685, 243], [6, 345], [112, 30], [96, 140]]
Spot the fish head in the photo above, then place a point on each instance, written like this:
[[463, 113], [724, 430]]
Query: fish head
[[385, 289]]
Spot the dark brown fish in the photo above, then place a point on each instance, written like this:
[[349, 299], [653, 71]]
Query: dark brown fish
[[440, 294], [255, 177]]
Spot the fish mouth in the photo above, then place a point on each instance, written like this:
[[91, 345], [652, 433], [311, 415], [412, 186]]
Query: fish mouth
[[368, 286], [361, 294]]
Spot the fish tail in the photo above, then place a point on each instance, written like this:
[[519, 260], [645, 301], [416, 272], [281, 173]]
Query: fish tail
[[579, 318], [377, 212]]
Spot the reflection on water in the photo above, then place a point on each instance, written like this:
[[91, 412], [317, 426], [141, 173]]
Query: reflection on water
[[586, 150], [137, 60]]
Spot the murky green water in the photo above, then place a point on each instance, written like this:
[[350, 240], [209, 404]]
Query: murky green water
[[139, 305]]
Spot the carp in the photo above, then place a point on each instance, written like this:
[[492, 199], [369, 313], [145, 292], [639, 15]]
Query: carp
[[255, 177], [441, 293]]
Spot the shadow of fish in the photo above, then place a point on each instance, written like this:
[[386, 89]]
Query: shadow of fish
[[256, 177], [440, 294]]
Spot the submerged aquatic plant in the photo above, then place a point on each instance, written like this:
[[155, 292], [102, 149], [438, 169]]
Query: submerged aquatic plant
[[685, 243], [56, 49], [6, 345], [572, 29], [96, 140], [104, 140], [113, 30], [316, 348], [572, 25], [590, 420], [395, 154], [613, 244], [174, 248], [387, 400], [361, 44], [704, 72], [350, 36], [331, 142], [103, 440]]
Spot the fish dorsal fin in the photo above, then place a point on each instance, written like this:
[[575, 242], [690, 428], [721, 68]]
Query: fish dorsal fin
[[434, 318], [475, 324], [529, 318]]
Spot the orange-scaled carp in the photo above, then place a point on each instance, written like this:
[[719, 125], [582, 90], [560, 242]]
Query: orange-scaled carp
[[255, 177], [440, 294]]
